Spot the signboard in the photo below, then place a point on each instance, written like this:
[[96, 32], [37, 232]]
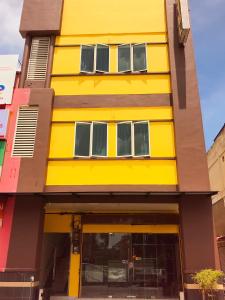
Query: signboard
[[8, 67], [183, 20], [4, 117]]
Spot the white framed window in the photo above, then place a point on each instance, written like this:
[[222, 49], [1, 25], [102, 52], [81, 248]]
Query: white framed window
[[91, 139], [94, 58], [124, 139], [133, 139], [132, 58]]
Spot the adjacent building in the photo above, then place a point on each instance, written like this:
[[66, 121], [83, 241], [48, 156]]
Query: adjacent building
[[216, 158], [105, 185]]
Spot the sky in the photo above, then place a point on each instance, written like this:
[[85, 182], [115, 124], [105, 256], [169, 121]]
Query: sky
[[208, 25]]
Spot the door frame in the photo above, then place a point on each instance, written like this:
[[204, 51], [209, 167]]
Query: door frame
[[123, 228]]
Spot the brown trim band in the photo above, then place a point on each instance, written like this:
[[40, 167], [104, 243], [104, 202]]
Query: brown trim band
[[96, 101], [108, 158], [108, 74], [110, 188]]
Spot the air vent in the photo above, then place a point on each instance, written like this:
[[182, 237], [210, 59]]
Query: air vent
[[38, 61], [25, 131]]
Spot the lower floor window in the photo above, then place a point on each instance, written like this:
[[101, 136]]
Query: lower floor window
[[133, 139], [90, 139]]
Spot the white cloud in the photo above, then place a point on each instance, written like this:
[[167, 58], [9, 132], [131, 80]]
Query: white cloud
[[11, 41]]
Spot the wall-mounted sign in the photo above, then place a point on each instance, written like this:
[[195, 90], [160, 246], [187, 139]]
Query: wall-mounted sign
[[4, 117], [183, 20], [8, 66]]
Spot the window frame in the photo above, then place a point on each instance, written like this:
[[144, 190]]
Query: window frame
[[75, 132], [142, 122], [95, 59], [91, 140], [131, 66], [133, 139], [123, 122], [96, 50], [144, 70], [81, 47], [132, 58], [99, 122]]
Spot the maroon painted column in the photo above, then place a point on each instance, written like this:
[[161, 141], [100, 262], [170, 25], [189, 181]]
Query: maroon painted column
[[197, 239], [21, 275]]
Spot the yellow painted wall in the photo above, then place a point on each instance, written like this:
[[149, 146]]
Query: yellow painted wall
[[159, 37], [161, 140], [112, 114], [161, 133], [93, 228], [60, 223], [67, 59], [111, 22], [111, 84], [111, 17], [97, 172], [111, 172]]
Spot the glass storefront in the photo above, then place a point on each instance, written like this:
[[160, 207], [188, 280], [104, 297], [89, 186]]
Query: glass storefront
[[130, 265]]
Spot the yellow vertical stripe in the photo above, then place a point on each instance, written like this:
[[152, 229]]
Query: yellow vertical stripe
[[74, 280]]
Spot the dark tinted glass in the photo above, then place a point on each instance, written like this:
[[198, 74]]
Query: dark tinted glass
[[130, 265], [87, 59], [141, 139], [124, 58], [102, 63], [82, 143], [139, 56], [99, 146], [124, 139]]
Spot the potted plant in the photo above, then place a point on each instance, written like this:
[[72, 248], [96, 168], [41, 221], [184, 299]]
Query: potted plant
[[207, 281]]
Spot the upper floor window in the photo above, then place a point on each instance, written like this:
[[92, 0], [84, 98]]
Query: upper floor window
[[91, 139], [94, 58], [133, 138], [132, 58]]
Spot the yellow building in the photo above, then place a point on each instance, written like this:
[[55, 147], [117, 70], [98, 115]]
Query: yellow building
[[119, 169]]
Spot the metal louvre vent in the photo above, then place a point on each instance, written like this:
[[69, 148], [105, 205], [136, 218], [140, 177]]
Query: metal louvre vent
[[25, 131], [38, 61]]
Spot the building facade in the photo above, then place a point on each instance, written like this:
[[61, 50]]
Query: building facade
[[215, 158], [106, 171]]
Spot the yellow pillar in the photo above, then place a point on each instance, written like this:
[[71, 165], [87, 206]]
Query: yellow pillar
[[74, 273]]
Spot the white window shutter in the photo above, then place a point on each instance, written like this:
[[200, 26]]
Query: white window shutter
[[26, 127], [38, 61]]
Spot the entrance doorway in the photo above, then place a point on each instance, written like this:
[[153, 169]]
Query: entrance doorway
[[130, 265]]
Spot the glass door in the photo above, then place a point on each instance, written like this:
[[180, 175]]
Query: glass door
[[130, 265]]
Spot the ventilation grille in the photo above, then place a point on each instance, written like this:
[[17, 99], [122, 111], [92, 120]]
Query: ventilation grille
[[25, 131], [38, 61]]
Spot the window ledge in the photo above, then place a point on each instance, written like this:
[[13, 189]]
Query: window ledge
[[109, 74], [110, 158]]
